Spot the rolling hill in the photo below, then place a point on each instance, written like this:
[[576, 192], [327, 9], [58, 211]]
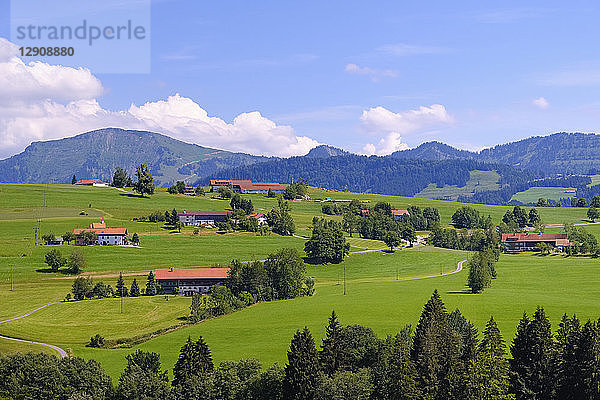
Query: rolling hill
[[96, 154]]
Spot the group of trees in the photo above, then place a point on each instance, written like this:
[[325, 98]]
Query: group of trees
[[378, 224], [444, 357], [327, 243], [239, 203], [518, 218], [280, 219], [471, 240], [179, 188], [482, 270], [280, 276], [68, 237], [121, 178], [582, 242], [73, 264], [469, 218], [85, 288], [295, 190]]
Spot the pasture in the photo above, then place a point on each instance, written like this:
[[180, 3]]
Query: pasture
[[377, 296]]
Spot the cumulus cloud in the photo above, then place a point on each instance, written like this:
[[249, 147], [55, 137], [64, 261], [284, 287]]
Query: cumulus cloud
[[541, 102], [375, 74], [391, 126], [39, 101]]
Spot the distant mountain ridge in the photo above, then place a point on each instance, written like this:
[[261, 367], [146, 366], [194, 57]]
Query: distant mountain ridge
[[96, 154]]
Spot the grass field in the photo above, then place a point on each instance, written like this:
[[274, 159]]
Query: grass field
[[374, 296], [478, 181], [532, 194]]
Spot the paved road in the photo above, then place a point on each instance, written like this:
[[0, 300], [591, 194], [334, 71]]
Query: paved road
[[62, 353]]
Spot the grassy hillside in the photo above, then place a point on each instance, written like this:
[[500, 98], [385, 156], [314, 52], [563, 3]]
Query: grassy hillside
[[478, 182], [374, 296], [532, 194]]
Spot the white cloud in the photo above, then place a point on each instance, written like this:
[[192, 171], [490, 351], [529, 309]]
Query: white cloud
[[541, 103], [375, 74], [386, 145], [391, 126], [39, 101]]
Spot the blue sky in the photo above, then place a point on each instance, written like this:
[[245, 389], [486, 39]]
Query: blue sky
[[501, 70]]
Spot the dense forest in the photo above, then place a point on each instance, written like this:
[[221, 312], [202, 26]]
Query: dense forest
[[382, 175], [443, 357]]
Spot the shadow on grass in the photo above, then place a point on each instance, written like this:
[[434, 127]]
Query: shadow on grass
[[51, 271], [139, 196], [459, 292]]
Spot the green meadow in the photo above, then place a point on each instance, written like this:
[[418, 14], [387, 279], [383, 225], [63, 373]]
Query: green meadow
[[379, 292], [532, 194]]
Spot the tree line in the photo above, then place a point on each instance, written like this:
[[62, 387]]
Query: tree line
[[443, 357]]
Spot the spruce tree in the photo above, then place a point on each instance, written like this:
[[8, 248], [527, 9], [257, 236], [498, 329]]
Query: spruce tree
[[150, 285], [73, 180], [331, 355], [435, 348], [302, 370], [589, 361], [194, 360], [534, 358], [121, 290], [402, 374], [568, 337], [489, 378], [135, 289]]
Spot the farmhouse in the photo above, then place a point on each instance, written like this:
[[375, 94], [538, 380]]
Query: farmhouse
[[202, 218], [398, 214], [261, 218], [189, 280], [190, 190], [246, 186], [519, 242], [91, 182], [105, 236]]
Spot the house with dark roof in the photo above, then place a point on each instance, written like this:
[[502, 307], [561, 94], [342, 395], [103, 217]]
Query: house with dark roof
[[202, 218], [246, 186], [188, 281], [529, 241]]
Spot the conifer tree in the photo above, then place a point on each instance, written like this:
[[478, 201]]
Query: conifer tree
[[194, 360], [150, 285], [121, 289], [489, 378], [435, 348], [302, 370], [331, 354], [402, 374], [568, 337], [135, 289], [73, 180], [534, 358]]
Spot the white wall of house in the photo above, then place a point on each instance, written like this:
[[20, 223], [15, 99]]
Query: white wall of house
[[111, 240]]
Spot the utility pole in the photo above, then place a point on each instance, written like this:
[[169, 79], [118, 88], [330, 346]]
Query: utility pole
[[11, 277], [441, 269], [122, 295], [344, 279]]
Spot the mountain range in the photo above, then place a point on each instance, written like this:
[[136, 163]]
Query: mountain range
[[96, 154]]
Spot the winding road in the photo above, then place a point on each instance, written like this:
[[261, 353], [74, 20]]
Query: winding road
[[62, 353]]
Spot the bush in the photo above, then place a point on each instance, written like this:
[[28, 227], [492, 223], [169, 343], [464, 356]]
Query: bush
[[96, 341]]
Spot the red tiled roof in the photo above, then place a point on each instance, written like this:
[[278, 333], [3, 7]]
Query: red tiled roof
[[191, 273], [399, 212], [97, 225], [227, 181], [257, 215], [186, 212], [260, 186], [102, 231], [534, 237], [87, 181]]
